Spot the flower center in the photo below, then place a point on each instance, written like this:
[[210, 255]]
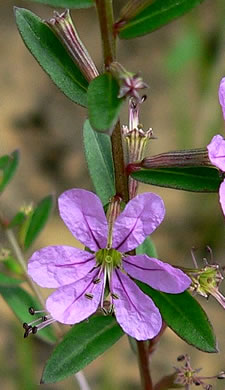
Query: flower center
[[108, 258]]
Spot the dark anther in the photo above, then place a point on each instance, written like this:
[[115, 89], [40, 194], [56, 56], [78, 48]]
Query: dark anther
[[180, 358], [115, 296], [31, 311], [25, 325], [26, 334], [221, 375], [96, 281], [197, 383], [144, 98], [133, 104], [89, 296], [44, 318], [34, 329]]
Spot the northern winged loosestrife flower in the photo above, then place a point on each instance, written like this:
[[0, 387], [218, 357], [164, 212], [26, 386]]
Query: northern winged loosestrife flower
[[82, 277], [216, 148]]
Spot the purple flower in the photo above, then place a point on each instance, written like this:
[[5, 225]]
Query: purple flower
[[85, 278], [216, 148], [221, 94], [216, 151]]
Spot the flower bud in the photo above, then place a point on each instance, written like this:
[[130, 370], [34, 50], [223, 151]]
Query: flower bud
[[130, 83], [62, 25]]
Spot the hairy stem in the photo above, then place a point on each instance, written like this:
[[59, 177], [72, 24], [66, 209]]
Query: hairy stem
[[143, 357]]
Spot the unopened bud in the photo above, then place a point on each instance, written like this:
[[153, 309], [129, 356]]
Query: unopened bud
[[62, 25]]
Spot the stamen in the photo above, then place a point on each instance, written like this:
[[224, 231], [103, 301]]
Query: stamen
[[180, 358], [32, 311], [115, 296], [89, 296], [211, 254], [96, 281], [221, 375], [43, 322], [193, 249]]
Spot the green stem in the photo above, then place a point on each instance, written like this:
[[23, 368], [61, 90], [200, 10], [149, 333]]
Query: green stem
[[143, 357], [105, 15], [106, 21], [19, 255], [21, 260]]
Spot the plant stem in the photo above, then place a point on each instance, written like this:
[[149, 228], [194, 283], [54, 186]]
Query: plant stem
[[106, 20], [105, 15], [143, 357], [20, 257]]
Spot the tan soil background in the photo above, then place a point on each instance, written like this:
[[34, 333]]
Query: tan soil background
[[37, 119]]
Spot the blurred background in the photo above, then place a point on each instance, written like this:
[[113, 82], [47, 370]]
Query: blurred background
[[183, 64]]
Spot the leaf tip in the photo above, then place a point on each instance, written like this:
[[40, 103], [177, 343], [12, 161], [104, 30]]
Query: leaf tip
[[42, 381]]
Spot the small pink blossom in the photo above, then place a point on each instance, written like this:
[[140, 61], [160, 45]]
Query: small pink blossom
[[81, 276]]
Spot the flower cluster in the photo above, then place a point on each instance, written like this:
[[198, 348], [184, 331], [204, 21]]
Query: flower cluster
[[102, 275]]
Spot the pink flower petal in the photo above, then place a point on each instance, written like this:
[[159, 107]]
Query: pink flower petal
[[83, 214], [222, 196], [69, 305], [155, 273], [56, 266], [216, 150], [141, 216], [222, 95], [136, 313]]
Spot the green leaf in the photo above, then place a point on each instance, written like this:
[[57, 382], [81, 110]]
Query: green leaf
[[4, 161], [81, 345], [196, 179], [154, 16], [52, 56], [11, 264], [8, 165], [18, 219], [67, 3], [6, 280], [38, 220], [183, 314], [147, 247], [19, 301], [98, 152], [103, 103]]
